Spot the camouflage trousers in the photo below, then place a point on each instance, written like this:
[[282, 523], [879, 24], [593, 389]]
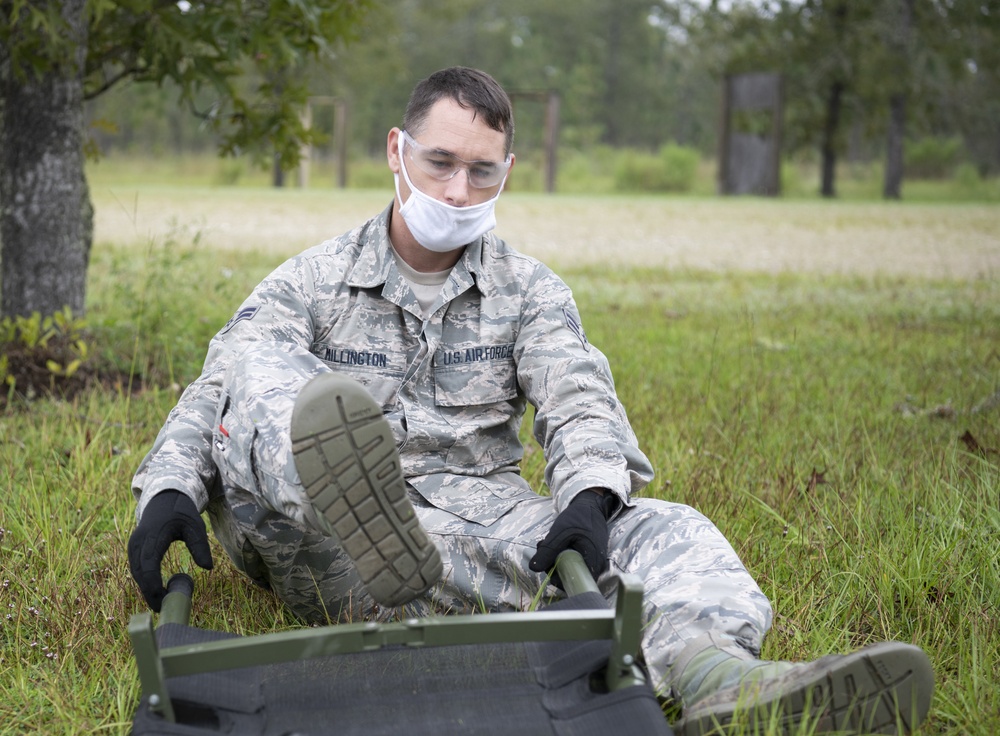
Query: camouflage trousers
[[693, 580]]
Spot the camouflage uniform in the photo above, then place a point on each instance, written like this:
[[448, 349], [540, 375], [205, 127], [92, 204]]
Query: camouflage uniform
[[453, 386]]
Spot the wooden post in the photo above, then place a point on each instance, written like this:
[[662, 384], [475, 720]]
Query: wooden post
[[551, 100], [551, 140], [778, 133], [305, 152], [339, 136], [340, 140], [725, 129], [277, 173]]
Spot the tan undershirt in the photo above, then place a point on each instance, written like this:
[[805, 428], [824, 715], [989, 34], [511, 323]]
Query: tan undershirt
[[425, 285]]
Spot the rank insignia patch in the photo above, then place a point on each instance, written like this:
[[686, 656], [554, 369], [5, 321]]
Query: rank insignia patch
[[573, 322], [244, 314]]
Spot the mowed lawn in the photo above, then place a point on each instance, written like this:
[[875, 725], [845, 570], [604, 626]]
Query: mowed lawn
[[704, 233], [821, 379]]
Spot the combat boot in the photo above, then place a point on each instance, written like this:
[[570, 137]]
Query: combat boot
[[346, 457], [881, 689]]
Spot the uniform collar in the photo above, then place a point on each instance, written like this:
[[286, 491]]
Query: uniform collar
[[375, 265]]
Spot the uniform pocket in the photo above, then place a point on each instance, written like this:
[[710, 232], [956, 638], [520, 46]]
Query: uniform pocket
[[480, 500], [474, 376], [232, 447]]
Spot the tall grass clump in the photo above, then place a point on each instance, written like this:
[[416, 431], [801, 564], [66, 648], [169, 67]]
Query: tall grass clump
[[673, 169], [843, 432], [933, 158], [156, 306]]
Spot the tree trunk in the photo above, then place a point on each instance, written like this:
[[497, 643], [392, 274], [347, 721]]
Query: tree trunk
[[277, 173], [893, 185], [900, 41], [46, 216], [612, 132], [829, 145]]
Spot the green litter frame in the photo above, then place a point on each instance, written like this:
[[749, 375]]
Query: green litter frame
[[622, 626]]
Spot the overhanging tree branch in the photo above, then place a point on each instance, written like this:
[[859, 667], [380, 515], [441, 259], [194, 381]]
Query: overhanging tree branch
[[59, 53], [109, 82]]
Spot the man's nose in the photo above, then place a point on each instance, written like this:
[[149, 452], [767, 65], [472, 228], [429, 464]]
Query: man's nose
[[457, 192]]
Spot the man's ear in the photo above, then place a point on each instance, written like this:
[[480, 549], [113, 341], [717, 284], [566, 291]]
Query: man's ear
[[392, 150]]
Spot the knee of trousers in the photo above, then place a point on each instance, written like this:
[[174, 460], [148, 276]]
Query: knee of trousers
[[693, 579], [252, 445], [309, 572], [235, 543]]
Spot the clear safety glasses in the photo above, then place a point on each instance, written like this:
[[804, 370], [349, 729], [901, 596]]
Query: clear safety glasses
[[443, 166]]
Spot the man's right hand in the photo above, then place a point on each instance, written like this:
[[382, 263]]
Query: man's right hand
[[169, 516]]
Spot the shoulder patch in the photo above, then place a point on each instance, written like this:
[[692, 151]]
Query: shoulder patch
[[247, 313], [573, 323]]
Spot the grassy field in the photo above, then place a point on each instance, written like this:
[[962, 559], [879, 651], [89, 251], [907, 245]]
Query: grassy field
[[838, 419]]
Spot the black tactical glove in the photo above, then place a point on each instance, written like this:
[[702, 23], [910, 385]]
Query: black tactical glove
[[169, 516], [581, 526]]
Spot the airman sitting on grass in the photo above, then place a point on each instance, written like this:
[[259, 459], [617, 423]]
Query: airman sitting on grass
[[354, 439]]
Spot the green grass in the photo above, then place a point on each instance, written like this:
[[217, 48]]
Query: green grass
[[817, 420]]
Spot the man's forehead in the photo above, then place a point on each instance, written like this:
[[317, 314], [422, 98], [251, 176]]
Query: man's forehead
[[458, 130]]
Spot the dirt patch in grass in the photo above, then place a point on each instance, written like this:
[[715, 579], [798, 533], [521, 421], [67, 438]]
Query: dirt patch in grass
[[31, 375], [747, 234]]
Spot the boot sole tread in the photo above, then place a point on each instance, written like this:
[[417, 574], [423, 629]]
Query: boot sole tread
[[346, 457]]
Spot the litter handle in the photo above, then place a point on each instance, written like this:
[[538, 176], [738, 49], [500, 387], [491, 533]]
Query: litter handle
[[574, 573], [176, 607]]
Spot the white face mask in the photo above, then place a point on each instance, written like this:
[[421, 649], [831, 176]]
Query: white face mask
[[441, 227]]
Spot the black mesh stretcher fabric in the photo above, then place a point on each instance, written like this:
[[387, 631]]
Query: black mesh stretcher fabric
[[522, 689]]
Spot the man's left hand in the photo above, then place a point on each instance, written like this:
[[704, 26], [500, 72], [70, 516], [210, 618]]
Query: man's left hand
[[581, 526]]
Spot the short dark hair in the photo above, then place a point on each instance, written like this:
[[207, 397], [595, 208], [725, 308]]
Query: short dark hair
[[471, 89]]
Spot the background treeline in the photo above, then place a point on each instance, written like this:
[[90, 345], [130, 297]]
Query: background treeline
[[640, 81]]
